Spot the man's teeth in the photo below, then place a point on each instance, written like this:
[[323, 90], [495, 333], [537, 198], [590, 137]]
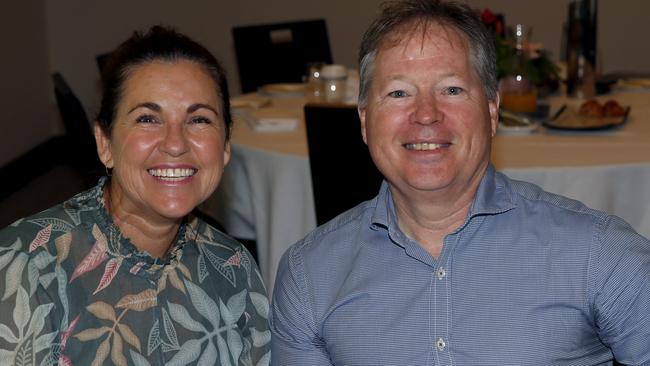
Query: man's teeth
[[423, 146], [175, 173]]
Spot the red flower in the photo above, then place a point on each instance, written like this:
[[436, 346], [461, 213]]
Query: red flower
[[488, 16]]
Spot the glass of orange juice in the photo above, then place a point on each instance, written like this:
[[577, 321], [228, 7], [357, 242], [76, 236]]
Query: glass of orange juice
[[518, 94]]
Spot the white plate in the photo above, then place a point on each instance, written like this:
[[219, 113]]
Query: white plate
[[517, 130]]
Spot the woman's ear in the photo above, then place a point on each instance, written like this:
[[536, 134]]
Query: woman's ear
[[103, 143]]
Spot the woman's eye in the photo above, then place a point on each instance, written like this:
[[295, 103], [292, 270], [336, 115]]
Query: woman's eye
[[397, 94], [453, 90], [146, 119], [200, 119]]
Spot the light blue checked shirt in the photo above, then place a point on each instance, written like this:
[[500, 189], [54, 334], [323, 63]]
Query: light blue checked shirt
[[531, 278]]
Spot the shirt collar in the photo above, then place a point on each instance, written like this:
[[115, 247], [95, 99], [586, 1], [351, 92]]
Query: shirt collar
[[493, 196]]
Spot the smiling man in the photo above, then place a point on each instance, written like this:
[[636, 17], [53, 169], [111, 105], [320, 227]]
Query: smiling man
[[453, 263]]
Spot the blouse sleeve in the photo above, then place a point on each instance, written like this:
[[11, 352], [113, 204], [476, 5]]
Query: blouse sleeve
[[29, 319], [257, 333]]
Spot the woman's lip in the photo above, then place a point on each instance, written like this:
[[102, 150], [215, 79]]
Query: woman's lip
[[172, 173]]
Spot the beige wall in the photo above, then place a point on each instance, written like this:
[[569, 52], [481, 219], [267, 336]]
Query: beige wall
[[25, 103], [78, 30]]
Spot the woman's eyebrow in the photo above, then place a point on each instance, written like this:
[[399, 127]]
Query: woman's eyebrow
[[149, 105], [197, 106]]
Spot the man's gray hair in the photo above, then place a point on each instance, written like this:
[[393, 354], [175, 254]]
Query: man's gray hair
[[397, 14]]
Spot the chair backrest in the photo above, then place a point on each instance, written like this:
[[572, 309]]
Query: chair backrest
[[279, 53], [77, 125], [342, 171], [101, 60]]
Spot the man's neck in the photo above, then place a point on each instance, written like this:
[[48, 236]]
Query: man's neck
[[430, 216]]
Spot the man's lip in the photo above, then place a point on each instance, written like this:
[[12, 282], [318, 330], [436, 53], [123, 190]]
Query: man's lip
[[425, 145]]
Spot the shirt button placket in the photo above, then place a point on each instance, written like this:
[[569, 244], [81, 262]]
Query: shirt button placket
[[442, 316]]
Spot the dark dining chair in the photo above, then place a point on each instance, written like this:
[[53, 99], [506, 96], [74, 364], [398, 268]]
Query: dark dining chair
[[342, 171], [280, 52], [101, 60], [81, 151]]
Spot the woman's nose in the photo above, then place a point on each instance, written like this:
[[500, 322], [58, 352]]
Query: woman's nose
[[174, 140], [426, 109]]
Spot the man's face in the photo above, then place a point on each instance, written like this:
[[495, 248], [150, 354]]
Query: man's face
[[427, 121]]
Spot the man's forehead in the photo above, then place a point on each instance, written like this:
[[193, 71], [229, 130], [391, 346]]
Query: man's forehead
[[424, 34]]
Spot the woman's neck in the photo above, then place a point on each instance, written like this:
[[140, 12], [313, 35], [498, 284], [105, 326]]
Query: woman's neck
[[153, 235]]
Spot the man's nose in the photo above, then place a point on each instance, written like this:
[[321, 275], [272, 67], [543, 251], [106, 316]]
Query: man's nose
[[426, 109]]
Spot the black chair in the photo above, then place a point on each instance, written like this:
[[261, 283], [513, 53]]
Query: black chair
[[81, 150], [101, 60], [342, 171], [279, 53]]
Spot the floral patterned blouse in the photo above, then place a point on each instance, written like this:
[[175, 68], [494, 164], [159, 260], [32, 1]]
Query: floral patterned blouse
[[75, 292]]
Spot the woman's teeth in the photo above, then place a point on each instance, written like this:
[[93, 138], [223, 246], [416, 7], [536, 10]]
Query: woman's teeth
[[423, 146], [172, 173]]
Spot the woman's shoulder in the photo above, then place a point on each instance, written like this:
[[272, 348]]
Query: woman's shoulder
[[208, 233], [44, 229], [221, 253]]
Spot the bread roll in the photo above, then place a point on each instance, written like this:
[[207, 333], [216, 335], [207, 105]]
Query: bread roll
[[613, 109], [591, 108]]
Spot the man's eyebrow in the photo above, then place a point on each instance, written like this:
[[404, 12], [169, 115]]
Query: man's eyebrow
[[197, 106], [149, 105]]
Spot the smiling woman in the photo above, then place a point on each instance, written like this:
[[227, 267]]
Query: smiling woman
[[125, 269], [167, 148]]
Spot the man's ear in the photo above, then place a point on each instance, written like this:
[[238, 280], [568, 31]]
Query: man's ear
[[103, 143], [362, 117], [493, 106]]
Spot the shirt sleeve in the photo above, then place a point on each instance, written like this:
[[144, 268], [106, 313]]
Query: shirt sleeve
[[295, 339], [622, 292]]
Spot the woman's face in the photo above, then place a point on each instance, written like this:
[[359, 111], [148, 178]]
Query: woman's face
[[168, 143]]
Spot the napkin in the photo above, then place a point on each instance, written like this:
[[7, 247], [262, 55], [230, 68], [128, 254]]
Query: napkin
[[274, 124]]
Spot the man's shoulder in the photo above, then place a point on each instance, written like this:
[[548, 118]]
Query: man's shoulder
[[531, 195], [339, 234]]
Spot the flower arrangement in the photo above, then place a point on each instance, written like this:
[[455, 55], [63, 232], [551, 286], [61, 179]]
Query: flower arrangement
[[538, 66]]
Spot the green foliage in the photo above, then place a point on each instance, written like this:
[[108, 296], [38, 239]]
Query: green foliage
[[541, 70]]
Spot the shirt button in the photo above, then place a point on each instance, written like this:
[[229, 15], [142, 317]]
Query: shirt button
[[440, 344], [441, 273]]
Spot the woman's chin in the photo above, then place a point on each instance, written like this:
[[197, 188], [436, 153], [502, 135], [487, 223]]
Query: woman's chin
[[173, 211]]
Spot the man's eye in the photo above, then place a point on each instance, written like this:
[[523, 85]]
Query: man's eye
[[200, 119], [146, 119], [397, 94], [453, 90]]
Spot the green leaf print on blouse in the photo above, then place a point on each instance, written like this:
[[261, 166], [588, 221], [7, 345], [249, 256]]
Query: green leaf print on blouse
[[229, 342], [28, 339]]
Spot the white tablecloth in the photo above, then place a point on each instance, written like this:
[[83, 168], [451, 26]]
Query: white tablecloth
[[266, 191]]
